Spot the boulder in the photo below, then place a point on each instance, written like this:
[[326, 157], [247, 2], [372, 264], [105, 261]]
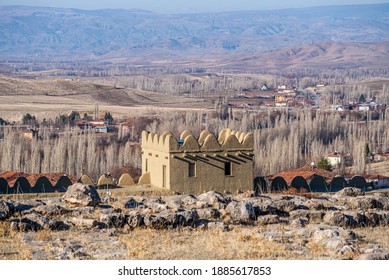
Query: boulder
[[83, 195], [284, 206], [132, 203], [189, 200], [379, 256], [156, 221], [208, 214], [44, 222], [315, 204], [114, 220], [213, 198], [322, 234], [241, 211], [349, 191], [364, 202], [217, 226], [299, 223], [85, 223], [268, 220], [74, 251], [295, 214], [173, 202], [337, 218], [50, 210], [24, 225], [382, 201], [155, 207], [383, 218], [25, 206], [134, 219], [5, 210]]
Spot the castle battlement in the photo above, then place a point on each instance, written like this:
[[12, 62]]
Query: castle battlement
[[228, 140]]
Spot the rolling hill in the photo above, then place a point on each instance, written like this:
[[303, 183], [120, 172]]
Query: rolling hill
[[37, 33]]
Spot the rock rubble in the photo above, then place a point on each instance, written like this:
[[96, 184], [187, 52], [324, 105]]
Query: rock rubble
[[327, 221]]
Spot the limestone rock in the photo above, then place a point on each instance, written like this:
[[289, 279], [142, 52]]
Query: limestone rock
[[349, 191], [299, 222], [379, 256], [155, 206], [187, 217], [382, 201], [80, 194], [25, 206], [268, 220], [217, 226], [173, 202], [208, 213], [44, 222], [322, 234], [115, 220], [5, 210], [85, 223], [24, 225], [50, 210], [155, 221], [284, 206], [132, 203], [74, 252], [365, 202], [189, 200], [383, 218], [295, 214], [315, 204], [337, 218], [213, 198], [134, 219], [241, 211]]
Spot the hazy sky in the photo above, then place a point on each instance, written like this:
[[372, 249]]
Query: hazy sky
[[181, 6]]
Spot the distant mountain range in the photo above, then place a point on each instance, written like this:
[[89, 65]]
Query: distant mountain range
[[38, 33]]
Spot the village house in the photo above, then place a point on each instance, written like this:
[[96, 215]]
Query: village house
[[336, 158], [99, 125], [190, 165]]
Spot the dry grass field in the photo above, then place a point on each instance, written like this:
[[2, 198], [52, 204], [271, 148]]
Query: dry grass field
[[240, 243], [49, 98]]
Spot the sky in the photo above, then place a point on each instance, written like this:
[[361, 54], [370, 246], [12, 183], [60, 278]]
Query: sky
[[184, 6]]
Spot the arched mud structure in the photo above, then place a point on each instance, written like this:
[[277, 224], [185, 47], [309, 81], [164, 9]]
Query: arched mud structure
[[3, 186], [260, 185], [86, 179], [278, 184], [337, 184], [318, 184], [42, 185], [299, 182], [358, 182], [21, 185], [62, 184]]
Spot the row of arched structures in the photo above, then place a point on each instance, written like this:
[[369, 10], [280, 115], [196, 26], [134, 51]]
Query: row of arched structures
[[316, 183], [43, 184]]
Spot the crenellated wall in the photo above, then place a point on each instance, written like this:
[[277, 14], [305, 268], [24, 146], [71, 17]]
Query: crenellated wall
[[227, 140], [190, 165]]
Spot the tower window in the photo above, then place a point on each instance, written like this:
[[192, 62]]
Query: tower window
[[227, 169], [192, 169]]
